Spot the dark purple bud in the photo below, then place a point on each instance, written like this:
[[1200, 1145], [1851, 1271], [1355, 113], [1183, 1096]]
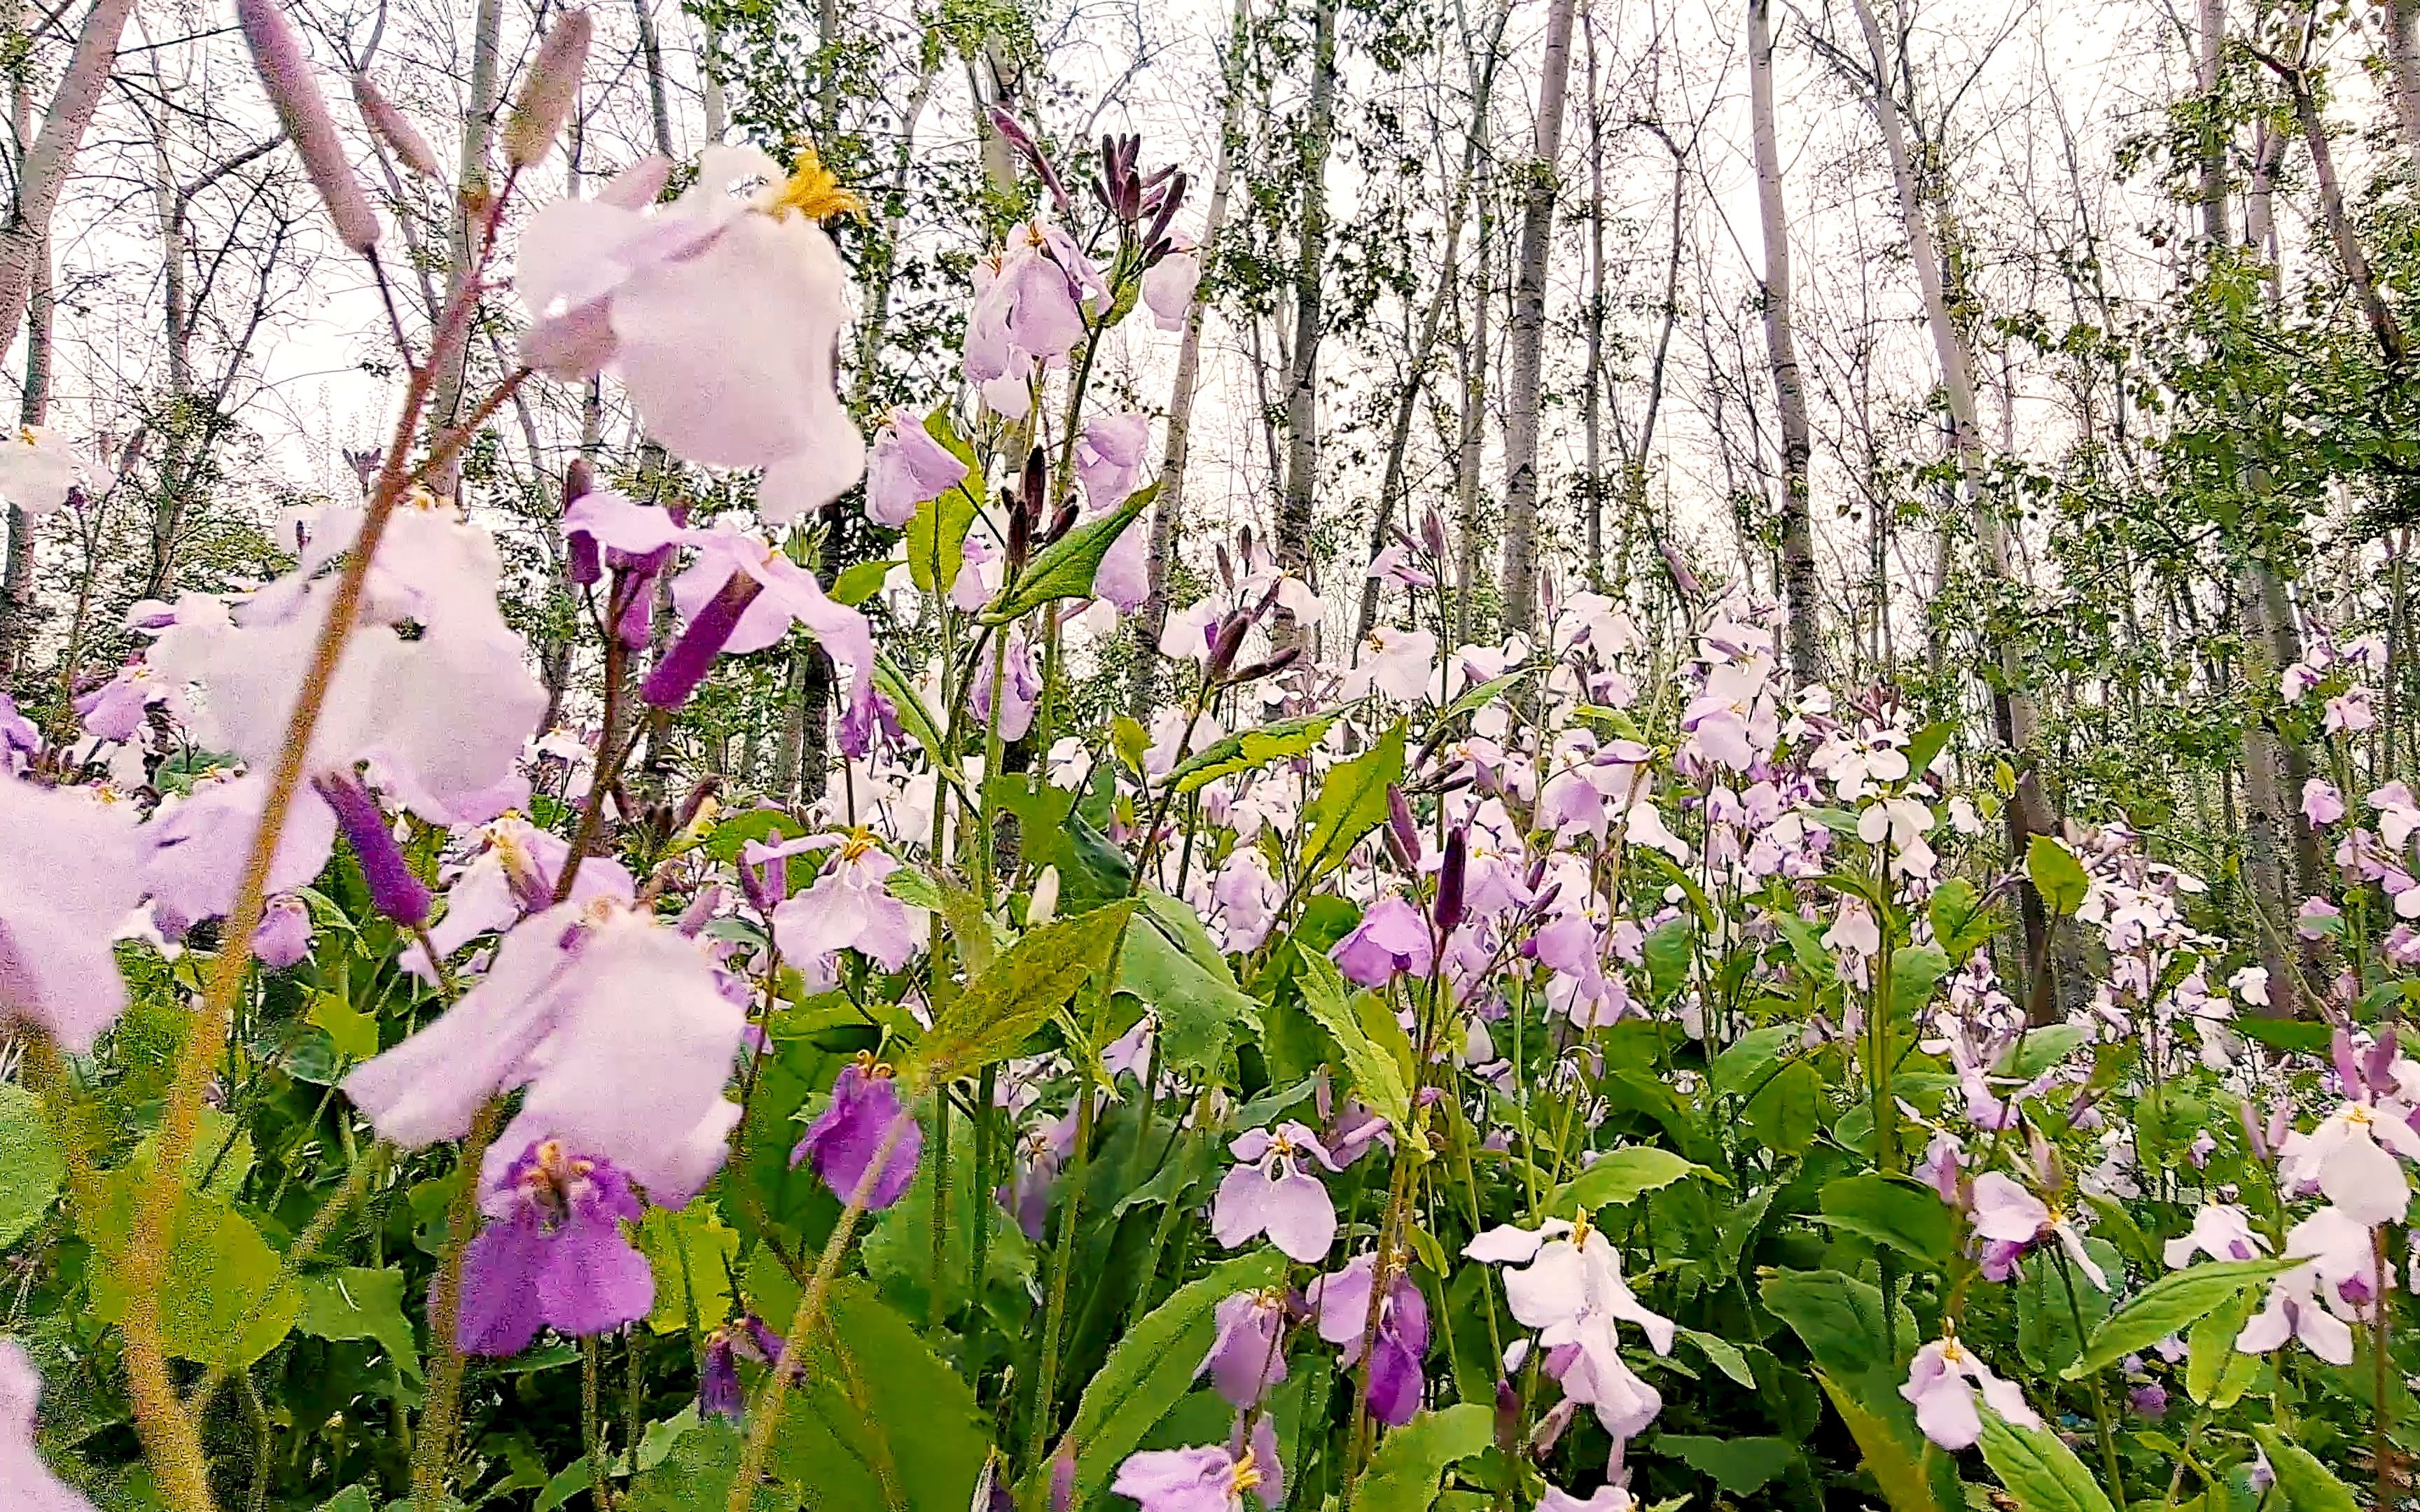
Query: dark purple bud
[[1270, 668], [1402, 831], [766, 883], [2254, 1145], [684, 665], [2348, 1066], [2377, 1067], [1508, 1417], [1230, 639], [695, 801], [1035, 481], [635, 626], [1060, 523], [1683, 578], [585, 564], [1450, 881], [1015, 135], [1433, 533], [1226, 567], [393, 889], [719, 1394]]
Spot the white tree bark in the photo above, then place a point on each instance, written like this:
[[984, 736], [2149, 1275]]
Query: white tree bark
[[1789, 390], [1529, 329]]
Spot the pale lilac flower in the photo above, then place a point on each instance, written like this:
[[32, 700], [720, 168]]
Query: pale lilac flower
[[1168, 287], [1398, 663], [2348, 712], [1342, 1301], [284, 936], [866, 1114], [1109, 457], [1039, 1156], [2299, 679], [908, 467], [2398, 815], [117, 709], [553, 1254], [513, 874], [2015, 1219], [73, 860], [1027, 312], [719, 312], [615, 1027], [2316, 1303], [742, 595], [605, 527], [1943, 1381], [27, 1484], [18, 736], [1188, 1480], [197, 846], [1396, 566], [1604, 1498], [1270, 1192], [1024, 690], [1245, 1360], [719, 1392], [2317, 918], [1246, 895], [1391, 937], [847, 907], [1570, 1287], [2321, 803], [2351, 1158], [2220, 1230]]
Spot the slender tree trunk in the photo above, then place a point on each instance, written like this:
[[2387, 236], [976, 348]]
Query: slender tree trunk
[[1528, 329], [17, 585], [1790, 395], [50, 157], [478, 133], [1593, 400], [1295, 534], [2403, 70], [1469, 450], [1167, 504]]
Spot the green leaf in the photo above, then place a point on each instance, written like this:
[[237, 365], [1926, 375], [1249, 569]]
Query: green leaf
[[2038, 1049], [1018, 992], [359, 1303], [1927, 744], [914, 718], [856, 585], [877, 1420], [732, 835], [2215, 1375], [1739, 1466], [33, 1169], [1065, 568], [1374, 1074], [2057, 875], [1667, 950], [2048, 1331], [898, 1247], [1150, 1369], [695, 1476], [355, 1035], [1054, 832], [222, 1302], [690, 1252], [1722, 1355], [1838, 1318], [1958, 924], [2309, 1486], [1350, 802], [1906, 1215], [1915, 970], [936, 538], [1279, 740], [1172, 964], [1787, 1112], [1622, 1176], [1745, 1061], [1411, 1460], [2041, 1473], [1900, 1460], [2170, 1305]]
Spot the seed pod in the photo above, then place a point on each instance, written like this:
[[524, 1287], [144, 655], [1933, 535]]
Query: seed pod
[[285, 73], [550, 92], [392, 128]]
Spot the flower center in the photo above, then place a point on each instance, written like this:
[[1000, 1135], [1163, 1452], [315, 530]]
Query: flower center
[[857, 845], [1243, 1476], [813, 191], [868, 1066]]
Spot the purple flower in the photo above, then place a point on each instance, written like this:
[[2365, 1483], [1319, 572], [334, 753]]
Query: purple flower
[[847, 908], [1343, 1300], [199, 844], [394, 889], [1270, 1192], [713, 594], [1208, 1480], [514, 872], [17, 735], [1391, 937], [1942, 1383], [284, 936], [614, 1028], [56, 967], [1109, 457], [27, 1484], [1040, 1156], [1024, 691], [907, 467], [553, 1254], [2150, 1400], [846, 1138], [115, 709], [1245, 1360], [719, 1390], [605, 527]]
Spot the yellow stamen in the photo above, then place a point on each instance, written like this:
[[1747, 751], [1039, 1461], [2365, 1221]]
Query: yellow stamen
[[868, 1066], [1243, 1476], [815, 192]]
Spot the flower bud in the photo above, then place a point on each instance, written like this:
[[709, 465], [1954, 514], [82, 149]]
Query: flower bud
[[1448, 911], [1229, 640], [1060, 523], [550, 91], [393, 129], [1433, 533], [684, 665], [285, 73], [1402, 831], [394, 890]]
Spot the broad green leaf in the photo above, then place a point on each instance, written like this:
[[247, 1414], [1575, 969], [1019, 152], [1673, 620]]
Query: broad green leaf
[[898, 1247], [1622, 1176], [1065, 568], [1053, 831], [222, 1302], [2048, 1333], [1279, 740], [2038, 1049], [359, 1303], [1374, 1074], [856, 585], [1806, 947], [1668, 949], [351, 1498], [1722, 1355], [1838, 1318], [1744, 1063], [355, 1035], [2309, 1486], [1915, 970], [1740, 1466], [877, 1420], [2215, 1374], [1786, 1113], [1905, 1215], [1475, 699], [2041, 1473], [690, 1252], [937, 538], [914, 718], [2057, 875], [1018, 992], [1172, 965], [1350, 802], [32, 1168], [733, 835], [1927, 744], [696, 1475], [1152, 1368], [1411, 1460], [1900, 1460], [2170, 1305], [1958, 925]]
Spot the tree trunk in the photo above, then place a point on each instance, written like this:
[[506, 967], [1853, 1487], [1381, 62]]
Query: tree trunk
[[1790, 395], [2403, 70], [1469, 445], [1294, 543], [478, 131], [1528, 329], [1167, 504], [43, 170], [17, 585], [1593, 401]]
